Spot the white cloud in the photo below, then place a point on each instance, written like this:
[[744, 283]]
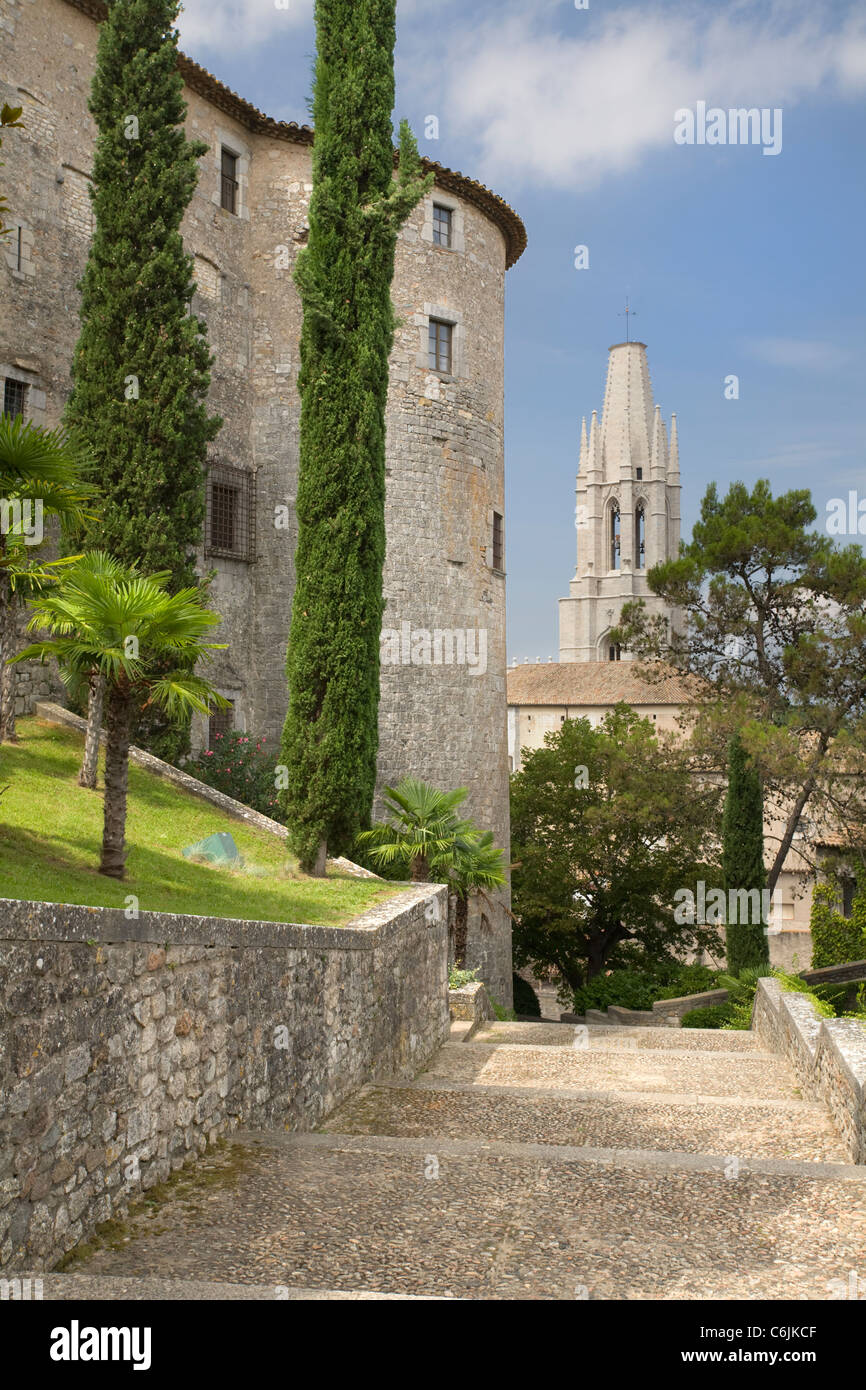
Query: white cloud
[[562, 109], [798, 353], [229, 26]]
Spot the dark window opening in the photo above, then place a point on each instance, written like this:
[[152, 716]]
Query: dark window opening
[[220, 722], [20, 255], [14, 397], [640, 539], [498, 542], [440, 345], [615, 652], [442, 224], [230, 521], [614, 538], [229, 181], [849, 888], [639, 473]]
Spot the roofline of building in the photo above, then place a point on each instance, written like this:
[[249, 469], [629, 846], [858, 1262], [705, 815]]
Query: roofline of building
[[198, 79], [631, 343]]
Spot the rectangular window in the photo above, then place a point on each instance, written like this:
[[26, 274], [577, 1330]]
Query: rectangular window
[[230, 522], [440, 353], [14, 397], [441, 225], [229, 181], [221, 721], [498, 546]]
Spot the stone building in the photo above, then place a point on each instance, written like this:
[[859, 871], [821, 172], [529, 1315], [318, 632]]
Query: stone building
[[443, 716], [628, 509]]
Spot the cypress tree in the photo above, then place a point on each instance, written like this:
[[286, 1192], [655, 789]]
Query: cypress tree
[[743, 857], [141, 367], [330, 738]]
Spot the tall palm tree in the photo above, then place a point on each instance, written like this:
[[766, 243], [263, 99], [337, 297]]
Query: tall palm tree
[[127, 628], [37, 466], [477, 866]]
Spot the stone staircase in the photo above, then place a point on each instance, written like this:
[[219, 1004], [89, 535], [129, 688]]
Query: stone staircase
[[535, 1161]]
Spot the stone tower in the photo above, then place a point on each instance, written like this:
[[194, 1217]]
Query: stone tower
[[628, 509]]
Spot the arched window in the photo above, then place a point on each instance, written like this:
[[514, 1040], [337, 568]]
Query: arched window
[[614, 547], [640, 537]]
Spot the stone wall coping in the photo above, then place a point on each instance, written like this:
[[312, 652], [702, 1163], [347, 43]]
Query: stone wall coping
[[845, 1038], [22, 920]]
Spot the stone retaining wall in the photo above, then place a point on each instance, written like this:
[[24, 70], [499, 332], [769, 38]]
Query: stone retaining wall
[[127, 1046], [828, 1056]]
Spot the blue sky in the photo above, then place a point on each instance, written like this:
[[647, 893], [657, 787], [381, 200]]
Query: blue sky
[[735, 262]]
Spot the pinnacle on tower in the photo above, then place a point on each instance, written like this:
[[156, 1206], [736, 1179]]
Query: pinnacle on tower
[[674, 455]]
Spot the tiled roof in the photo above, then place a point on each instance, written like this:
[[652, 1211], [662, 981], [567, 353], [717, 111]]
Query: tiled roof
[[198, 79], [592, 683]]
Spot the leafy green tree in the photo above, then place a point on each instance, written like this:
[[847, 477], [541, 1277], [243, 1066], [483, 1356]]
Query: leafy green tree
[[609, 823], [344, 275], [131, 630], [41, 476], [141, 367], [775, 629], [743, 857]]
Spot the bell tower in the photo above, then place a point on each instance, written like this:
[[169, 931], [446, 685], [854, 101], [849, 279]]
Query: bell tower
[[628, 509]]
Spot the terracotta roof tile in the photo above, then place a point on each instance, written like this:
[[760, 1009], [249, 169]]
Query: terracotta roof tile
[[592, 683]]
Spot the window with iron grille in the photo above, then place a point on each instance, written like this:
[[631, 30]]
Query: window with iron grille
[[221, 721], [229, 181], [14, 397], [439, 350], [498, 546], [442, 221], [230, 523]]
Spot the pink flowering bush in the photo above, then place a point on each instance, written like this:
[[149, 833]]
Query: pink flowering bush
[[238, 766]]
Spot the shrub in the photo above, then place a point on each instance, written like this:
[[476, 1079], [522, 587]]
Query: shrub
[[238, 767], [639, 985], [836, 939], [458, 979], [711, 1016], [525, 998]]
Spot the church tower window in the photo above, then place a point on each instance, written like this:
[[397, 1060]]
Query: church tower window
[[614, 551], [640, 538]]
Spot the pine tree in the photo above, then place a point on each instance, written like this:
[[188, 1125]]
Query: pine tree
[[141, 367], [330, 739], [743, 857]]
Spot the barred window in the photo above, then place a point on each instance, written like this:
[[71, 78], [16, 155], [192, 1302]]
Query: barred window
[[498, 542], [229, 181], [14, 397], [220, 721], [442, 222], [440, 339], [230, 524]]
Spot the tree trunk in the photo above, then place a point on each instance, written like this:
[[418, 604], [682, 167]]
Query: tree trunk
[[116, 781], [461, 925], [420, 869], [87, 775], [8, 648]]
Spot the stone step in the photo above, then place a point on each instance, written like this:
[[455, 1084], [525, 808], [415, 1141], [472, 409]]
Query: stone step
[[738, 1128], [609, 1037], [458, 1218], [749, 1075]]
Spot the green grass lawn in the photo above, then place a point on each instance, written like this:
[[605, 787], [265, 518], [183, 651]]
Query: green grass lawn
[[51, 833]]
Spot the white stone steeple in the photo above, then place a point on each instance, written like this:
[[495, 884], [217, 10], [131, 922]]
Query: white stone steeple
[[628, 509]]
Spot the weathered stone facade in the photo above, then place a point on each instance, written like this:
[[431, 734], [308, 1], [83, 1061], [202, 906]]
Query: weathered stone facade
[[130, 1045], [445, 722]]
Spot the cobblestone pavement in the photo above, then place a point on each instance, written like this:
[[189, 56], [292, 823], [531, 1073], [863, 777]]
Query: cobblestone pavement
[[510, 1170]]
